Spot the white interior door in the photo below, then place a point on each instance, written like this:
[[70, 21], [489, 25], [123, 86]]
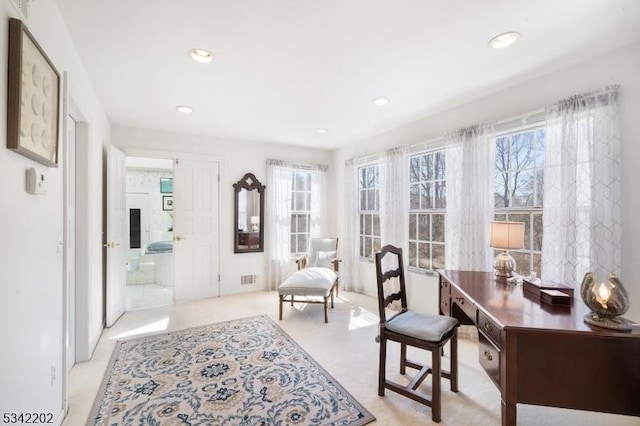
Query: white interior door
[[116, 235], [196, 245]]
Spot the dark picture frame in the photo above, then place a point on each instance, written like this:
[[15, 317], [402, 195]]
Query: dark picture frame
[[33, 98], [167, 203], [166, 185]]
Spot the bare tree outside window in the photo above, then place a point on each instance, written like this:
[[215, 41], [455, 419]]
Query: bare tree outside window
[[519, 191], [427, 201]]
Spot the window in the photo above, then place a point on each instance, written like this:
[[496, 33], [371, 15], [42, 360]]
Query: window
[[428, 201], [519, 191], [300, 211], [369, 191]]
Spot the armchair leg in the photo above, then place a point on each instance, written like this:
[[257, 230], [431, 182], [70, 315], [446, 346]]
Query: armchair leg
[[326, 313], [280, 316]]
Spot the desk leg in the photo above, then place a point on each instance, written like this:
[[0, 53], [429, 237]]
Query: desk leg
[[509, 414]]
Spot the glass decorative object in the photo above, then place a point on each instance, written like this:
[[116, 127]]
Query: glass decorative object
[[607, 301]]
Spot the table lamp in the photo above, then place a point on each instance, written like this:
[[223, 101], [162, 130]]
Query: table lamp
[[506, 236], [255, 221]]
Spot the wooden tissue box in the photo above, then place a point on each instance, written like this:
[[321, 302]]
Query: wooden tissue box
[[554, 297], [535, 286]]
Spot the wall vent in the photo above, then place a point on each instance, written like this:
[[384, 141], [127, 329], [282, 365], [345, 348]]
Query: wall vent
[[248, 279]]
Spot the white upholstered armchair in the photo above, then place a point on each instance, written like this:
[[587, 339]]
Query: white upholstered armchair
[[316, 277]]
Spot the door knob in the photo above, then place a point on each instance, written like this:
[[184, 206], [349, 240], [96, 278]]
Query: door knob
[[178, 238], [111, 244]]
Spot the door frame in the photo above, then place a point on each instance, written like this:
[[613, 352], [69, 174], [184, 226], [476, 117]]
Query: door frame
[[72, 318], [172, 155]]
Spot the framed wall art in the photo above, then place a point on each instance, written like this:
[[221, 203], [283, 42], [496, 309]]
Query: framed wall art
[[33, 98], [167, 202], [166, 185]]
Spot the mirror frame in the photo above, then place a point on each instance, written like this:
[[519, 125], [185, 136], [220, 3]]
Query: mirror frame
[[248, 182]]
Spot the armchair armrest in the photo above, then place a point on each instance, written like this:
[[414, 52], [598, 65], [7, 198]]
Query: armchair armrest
[[302, 262], [335, 262]]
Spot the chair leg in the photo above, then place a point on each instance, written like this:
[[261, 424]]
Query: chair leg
[[382, 365], [403, 358], [435, 385], [453, 371], [280, 317], [326, 313], [332, 299]]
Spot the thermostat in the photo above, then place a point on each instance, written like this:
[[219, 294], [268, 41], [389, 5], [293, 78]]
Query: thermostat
[[36, 182]]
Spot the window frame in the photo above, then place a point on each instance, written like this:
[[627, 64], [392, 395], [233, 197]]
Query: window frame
[[369, 217], [429, 211], [533, 240], [296, 213]]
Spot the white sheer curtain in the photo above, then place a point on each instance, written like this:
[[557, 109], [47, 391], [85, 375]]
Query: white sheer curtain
[[470, 191], [394, 197], [319, 200], [278, 218], [280, 176], [349, 272], [582, 212]]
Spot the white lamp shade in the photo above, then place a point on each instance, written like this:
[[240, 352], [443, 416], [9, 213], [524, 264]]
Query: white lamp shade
[[507, 235], [255, 220]]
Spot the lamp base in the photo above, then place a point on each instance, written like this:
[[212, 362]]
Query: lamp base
[[504, 265], [611, 323]]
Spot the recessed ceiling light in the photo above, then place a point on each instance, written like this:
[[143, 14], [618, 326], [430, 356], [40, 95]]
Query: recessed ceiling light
[[322, 131], [380, 101], [201, 55], [504, 40], [185, 109]]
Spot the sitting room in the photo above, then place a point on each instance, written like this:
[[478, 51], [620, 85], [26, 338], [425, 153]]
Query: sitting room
[[354, 213]]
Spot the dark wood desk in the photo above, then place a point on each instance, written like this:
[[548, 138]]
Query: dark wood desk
[[544, 355], [248, 239]]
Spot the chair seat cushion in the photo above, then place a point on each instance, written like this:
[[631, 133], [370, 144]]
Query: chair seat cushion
[[309, 282], [428, 327]]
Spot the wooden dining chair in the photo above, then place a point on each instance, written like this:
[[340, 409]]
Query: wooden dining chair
[[424, 331]]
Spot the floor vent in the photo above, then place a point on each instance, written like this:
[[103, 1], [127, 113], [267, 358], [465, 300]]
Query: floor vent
[[248, 279]]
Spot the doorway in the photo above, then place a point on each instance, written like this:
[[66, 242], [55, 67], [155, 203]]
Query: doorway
[[149, 227]]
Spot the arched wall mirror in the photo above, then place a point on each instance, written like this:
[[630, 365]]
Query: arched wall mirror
[[249, 215]]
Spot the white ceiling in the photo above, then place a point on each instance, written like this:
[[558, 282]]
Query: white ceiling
[[285, 68]]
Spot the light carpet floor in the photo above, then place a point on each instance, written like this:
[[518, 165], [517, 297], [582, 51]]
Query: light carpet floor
[[345, 347]]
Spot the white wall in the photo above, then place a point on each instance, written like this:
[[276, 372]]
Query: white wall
[[619, 67], [31, 287], [237, 158]]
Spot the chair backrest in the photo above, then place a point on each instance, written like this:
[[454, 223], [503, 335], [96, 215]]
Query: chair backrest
[[321, 251], [389, 258]]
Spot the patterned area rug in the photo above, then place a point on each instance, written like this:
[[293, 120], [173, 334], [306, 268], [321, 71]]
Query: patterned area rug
[[240, 372]]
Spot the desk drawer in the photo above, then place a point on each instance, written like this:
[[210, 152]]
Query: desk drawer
[[489, 357], [445, 297], [490, 328], [463, 303]]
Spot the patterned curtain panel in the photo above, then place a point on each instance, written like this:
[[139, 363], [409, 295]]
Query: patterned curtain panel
[[582, 212], [349, 271], [470, 193], [394, 197]]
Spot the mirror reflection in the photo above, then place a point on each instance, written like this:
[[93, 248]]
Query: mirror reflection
[[249, 215]]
